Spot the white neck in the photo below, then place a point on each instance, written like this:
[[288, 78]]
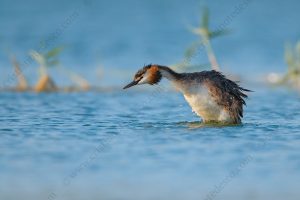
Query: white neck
[[168, 73], [172, 76]]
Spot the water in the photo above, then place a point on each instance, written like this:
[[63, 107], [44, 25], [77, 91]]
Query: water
[[146, 145]]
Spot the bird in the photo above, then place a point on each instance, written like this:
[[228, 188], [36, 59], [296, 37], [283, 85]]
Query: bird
[[212, 96]]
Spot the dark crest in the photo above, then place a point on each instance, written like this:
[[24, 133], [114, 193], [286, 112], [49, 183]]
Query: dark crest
[[154, 75], [139, 75]]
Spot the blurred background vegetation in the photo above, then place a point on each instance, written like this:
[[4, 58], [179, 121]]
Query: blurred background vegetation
[[291, 78], [101, 54]]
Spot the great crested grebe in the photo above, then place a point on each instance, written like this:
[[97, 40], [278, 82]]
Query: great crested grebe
[[211, 95]]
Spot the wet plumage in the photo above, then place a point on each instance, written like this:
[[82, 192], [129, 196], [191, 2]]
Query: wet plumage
[[211, 95], [226, 94]]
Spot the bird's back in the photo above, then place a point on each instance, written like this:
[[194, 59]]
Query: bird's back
[[213, 97]]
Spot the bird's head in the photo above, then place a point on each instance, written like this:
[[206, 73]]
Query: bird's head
[[149, 74]]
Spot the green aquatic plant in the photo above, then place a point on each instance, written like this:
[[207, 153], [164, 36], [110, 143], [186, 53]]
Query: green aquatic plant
[[46, 60], [292, 58], [50, 59], [205, 36], [292, 76]]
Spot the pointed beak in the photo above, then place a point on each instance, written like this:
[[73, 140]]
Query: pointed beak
[[133, 83]]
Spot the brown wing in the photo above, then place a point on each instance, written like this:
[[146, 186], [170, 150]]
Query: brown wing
[[227, 93]]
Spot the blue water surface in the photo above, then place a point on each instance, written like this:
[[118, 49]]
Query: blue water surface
[[146, 145]]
